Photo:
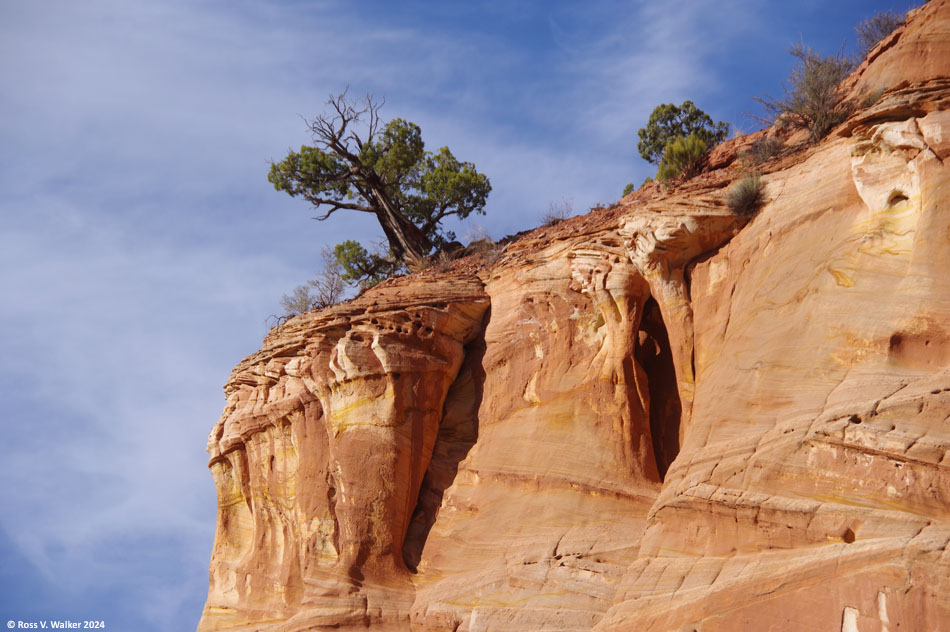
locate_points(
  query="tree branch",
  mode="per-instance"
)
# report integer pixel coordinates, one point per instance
(434, 220)
(336, 206)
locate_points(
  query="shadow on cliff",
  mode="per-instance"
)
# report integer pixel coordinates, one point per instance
(654, 354)
(457, 434)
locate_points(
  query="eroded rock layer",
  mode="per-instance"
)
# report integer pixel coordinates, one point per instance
(659, 416)
(320, 454)
(813, 482)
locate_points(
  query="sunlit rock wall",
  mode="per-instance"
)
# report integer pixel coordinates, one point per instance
(658, 416)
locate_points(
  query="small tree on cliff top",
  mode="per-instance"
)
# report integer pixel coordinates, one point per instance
(669, 122)
(358, 163)
(682, 158)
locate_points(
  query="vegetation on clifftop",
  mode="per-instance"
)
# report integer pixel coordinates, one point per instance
(358, 163)
(682, 158)
(813, 96)
(875, 28)
(668, 122)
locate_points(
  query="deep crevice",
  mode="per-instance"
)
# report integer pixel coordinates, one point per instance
(654, 354)
(458, 432)
(331, 507)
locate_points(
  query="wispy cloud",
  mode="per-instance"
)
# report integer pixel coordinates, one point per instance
(141, 248)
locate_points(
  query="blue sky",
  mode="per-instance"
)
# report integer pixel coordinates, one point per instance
(142, 249)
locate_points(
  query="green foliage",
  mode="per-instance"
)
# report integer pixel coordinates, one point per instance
(813, 97)
(627, 190)
(312, 174)
(396, 151)
(646, 181)
(363, 268)
(875, 28)
(443, 186)
(746, 196)
(358, 163)
(682, 157)
(667, 122)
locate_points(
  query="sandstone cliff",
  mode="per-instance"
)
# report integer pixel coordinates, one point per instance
(654, 417)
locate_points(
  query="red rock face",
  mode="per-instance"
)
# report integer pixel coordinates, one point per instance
(659, 417)
(812, 485)
(320, 454)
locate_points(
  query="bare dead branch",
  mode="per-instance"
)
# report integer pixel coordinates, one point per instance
(336, 130)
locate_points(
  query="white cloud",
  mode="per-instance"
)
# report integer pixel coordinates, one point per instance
(141, 247)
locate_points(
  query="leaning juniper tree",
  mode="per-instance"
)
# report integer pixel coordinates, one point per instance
(359, 163)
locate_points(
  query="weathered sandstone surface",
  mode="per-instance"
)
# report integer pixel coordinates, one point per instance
(658, 416)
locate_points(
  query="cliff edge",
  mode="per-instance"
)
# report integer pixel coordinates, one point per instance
(658, 416)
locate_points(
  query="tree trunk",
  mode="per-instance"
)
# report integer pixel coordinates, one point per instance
(406, 240)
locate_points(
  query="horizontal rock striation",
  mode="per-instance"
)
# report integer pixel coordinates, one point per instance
(815, 471)
(545, 512)
(320, 454)
(658, 416)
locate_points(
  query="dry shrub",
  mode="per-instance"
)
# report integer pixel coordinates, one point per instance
(746, 196)
(875, 28)
(323, 291)
(764, 149)
(813, 98)
(558, 212)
